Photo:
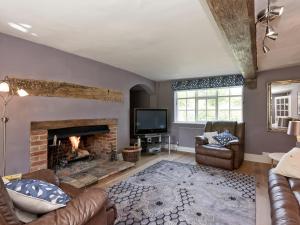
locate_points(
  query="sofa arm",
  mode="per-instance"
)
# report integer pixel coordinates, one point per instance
(201, 140)
(44, 175)
(78, 211)
(233, 142)
(70, 190)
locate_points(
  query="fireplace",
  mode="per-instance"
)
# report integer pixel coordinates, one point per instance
(58, 144)
(71, 144)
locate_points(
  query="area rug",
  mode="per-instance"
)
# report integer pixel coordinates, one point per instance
(177, 193)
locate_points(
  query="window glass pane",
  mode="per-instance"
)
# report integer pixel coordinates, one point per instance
(181, 94)
(181, 116)
(181, 103)
(191, 116)
(201, 115)
(191, 104)
(211, 103)
(236, 91)
(223, 91)
(211, 115)
(202, 104)
(202, 93)
(190, 94)
(236, 115)
(223, 103)
(236, 102)
(216, 104)
(223, 115)
(211, 92)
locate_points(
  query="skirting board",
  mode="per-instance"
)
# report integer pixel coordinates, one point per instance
(263, 158)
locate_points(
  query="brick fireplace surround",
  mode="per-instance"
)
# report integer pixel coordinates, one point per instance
(39, 138)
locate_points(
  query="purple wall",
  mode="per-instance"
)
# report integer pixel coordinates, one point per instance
(258, 139)
(24, 59)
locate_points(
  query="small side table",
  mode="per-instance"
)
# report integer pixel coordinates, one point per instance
(275, 157)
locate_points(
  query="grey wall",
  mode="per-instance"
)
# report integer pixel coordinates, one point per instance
(25, 59)
(258, 139)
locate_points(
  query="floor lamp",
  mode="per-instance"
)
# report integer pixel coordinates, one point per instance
(7, 93)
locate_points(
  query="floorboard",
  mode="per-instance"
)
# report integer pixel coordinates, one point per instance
(259, 170)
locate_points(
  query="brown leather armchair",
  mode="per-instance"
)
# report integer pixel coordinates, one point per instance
(90, 207)
(228, 157)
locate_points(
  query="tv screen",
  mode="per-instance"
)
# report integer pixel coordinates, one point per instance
(149, 121)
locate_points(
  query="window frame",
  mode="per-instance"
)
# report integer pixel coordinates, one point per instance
(216, 97)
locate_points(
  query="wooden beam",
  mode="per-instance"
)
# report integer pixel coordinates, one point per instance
(236, 21)
(63, 89)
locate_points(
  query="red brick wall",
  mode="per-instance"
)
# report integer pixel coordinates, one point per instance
(103, 144)
(38, 149)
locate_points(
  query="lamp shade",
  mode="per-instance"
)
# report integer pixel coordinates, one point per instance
(4, 87)
(294, 128)
(22, 92)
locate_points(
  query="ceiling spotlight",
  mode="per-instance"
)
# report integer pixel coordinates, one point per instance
(270, 33)
(276, 10)
(265, 14)
(266, 49)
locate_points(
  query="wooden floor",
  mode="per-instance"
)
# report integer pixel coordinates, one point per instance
(259, 170)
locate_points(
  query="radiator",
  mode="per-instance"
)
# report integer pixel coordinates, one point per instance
(186, 135)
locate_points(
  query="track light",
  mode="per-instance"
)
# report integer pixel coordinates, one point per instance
(266, 49)
(276, 10)
(265, 16)
(271, 34)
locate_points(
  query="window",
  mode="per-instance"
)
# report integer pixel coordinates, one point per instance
(209, 104)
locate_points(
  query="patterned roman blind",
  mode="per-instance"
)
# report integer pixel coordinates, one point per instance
(209, 82)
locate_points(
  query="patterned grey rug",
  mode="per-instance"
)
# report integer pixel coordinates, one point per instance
(177, 193)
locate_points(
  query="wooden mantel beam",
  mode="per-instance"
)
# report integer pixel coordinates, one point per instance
(236, 21)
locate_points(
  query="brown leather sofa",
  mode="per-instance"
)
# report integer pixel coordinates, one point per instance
(285, 199)
(228, 157)
(90, 207)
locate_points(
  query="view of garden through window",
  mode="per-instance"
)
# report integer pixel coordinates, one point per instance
(209, 104)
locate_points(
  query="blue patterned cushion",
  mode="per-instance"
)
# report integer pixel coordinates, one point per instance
(224, 138)
(36, 196)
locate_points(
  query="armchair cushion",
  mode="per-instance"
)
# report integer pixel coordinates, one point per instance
(210, 137)
(217, 151)
(224, 138)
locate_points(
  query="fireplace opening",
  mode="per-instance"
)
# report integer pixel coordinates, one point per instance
(68, 145)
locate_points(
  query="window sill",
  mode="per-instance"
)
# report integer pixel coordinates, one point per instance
(191, 123)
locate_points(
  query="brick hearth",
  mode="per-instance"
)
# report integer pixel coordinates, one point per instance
(104, 143)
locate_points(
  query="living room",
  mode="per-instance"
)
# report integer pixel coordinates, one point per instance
(126, 108)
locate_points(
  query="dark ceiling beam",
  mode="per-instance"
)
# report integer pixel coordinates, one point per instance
(236, 21)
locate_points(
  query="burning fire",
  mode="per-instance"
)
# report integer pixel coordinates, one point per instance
(74, 142)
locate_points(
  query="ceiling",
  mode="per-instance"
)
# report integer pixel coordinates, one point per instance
(160, 40)
(285, 51)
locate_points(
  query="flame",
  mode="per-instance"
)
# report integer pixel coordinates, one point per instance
(74, 142)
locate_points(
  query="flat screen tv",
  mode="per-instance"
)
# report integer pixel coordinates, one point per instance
(150, 121)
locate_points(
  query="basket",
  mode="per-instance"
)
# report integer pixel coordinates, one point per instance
(131, 154)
